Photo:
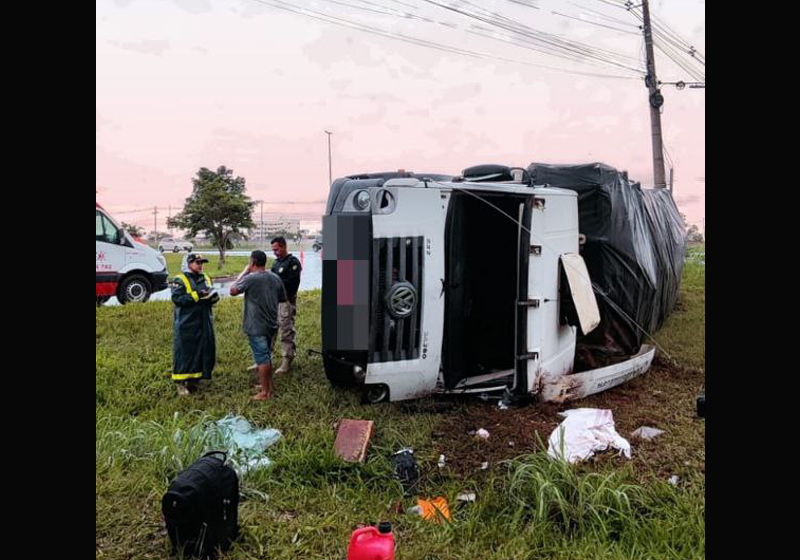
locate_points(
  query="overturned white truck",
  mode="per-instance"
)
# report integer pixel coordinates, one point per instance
(540, 281)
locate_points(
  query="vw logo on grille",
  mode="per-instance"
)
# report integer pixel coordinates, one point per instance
(401, 300)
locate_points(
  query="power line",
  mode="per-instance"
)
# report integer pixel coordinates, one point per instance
(606, 17)
(682, 64)
(528, 4)
(660, 27)
(555, 44)
(331, 19)
(625, 31)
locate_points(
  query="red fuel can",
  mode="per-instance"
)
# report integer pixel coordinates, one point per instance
(372, 543)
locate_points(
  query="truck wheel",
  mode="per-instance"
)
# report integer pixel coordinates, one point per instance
(134, 289)
(176, 249)
(374, 394)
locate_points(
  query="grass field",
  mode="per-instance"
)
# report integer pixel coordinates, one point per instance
(307, 504)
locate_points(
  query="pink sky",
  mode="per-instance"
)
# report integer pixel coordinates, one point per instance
(182, 84)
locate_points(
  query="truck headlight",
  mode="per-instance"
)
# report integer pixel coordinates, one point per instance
(362, 200)
(359, 373)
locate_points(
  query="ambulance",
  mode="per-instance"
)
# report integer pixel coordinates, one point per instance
(124, 268)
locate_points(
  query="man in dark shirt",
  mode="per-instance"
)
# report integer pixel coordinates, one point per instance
(288, 267)
(263, 293)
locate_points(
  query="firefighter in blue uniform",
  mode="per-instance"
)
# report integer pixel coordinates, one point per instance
(193, 342)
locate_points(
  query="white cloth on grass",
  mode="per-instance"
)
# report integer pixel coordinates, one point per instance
(583, 432)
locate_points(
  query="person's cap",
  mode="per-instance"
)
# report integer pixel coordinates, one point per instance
(194, 257)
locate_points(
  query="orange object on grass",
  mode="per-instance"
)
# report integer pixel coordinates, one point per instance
(434, 510)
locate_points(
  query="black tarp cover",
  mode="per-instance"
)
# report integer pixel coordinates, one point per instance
(634, 251)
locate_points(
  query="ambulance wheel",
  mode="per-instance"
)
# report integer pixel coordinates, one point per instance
(374, 394)
(134, 289)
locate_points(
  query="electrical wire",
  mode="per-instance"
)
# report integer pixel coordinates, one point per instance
(331, 19)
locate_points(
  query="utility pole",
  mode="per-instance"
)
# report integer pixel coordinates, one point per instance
(656, 101)
(155, 223)
(330, 166)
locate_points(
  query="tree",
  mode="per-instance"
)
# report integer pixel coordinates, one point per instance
(134, 230)
(694, 235)
(217, 206)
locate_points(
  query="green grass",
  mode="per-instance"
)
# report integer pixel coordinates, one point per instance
(307, 504)
(683, 335)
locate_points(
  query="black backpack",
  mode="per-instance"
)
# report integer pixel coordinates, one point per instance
(201, 508)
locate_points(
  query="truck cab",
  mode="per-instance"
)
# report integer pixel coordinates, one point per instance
(124, 268)
(439, 284)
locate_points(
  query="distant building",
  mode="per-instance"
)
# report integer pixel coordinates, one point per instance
(274, 226)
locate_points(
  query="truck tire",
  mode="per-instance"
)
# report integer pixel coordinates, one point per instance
(176, 249)
(374, 394)
(134, 289)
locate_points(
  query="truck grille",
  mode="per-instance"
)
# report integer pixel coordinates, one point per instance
(396, 315)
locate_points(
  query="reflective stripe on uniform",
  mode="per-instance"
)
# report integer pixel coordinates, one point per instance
(185, 376)
(189, 289)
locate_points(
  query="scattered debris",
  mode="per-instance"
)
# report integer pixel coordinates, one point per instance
(484, 465)
(466, 497)
(433, 510)
(441, 461)
(511, 444)
(352, 439)
(674, 479)
(583, 432)
(502, 405)
(397, 508)
(244, 443)
(646, 432)
(406, 470)
(482, 434)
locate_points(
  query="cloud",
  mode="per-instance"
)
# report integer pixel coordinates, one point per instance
(194, 7)
(458, 94)
(145, 47)
(132, 182)
(688, 199)
(341, 46)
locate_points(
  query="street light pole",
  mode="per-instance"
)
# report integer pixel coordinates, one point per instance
(330, 166)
